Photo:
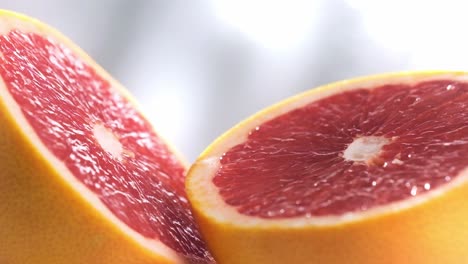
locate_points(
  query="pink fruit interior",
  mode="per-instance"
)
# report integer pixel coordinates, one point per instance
(293, 165)
(63, 98)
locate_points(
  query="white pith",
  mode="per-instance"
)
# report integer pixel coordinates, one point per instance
(364, 149)
(6, 25)
(108, 140)
(207, 201)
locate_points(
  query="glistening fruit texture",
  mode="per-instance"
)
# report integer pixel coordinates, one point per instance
(91, 129)
(350, 152)
(370, 170)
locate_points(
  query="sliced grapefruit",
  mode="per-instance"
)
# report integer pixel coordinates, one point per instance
(84, 178)
(371, 170)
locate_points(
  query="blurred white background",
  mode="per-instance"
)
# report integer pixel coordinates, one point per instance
(200, 67)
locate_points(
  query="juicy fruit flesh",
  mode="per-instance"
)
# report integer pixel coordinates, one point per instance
(65, 101)
(295, 165)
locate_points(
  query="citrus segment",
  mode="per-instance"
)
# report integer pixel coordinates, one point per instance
(99, 136)
(301, 155)
(354, 172)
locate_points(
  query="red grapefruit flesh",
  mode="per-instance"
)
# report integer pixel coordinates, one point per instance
(365, 171)
(301, 154)
(102, 140)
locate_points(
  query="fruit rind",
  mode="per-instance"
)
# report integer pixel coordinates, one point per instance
(398, 233)
(49, 216)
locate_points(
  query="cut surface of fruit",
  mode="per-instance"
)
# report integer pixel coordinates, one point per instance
(325, 176)
(89, 133)
(410, 139)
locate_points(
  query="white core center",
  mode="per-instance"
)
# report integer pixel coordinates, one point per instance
(365, 148)
(108, 141)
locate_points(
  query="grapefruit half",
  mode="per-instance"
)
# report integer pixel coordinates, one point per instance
(371, 170)
(83, 176)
